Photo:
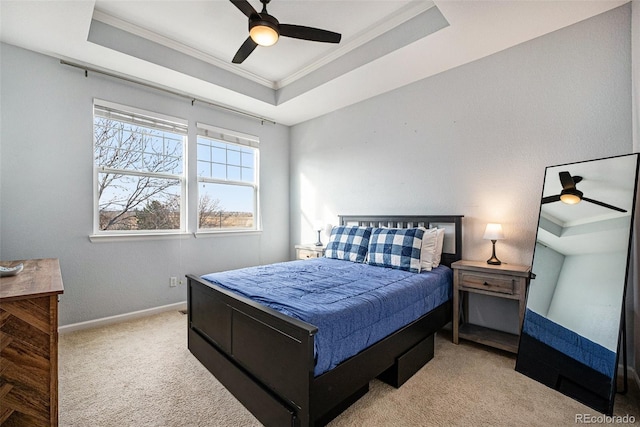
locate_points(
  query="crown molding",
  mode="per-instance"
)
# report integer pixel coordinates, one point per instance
(376, 29)
(147, 34)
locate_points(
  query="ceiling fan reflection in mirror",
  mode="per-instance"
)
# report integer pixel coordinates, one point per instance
(264, 30)
(571, 195)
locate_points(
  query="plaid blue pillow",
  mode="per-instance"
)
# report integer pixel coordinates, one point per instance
(349, 243)
(396, 248)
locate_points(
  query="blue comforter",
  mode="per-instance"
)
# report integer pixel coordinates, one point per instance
(353, 305)
(568, 342)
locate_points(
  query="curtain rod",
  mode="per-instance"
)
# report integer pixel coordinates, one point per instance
(182, 95)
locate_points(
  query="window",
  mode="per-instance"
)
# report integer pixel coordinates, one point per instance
(227, 180)
(139, 170)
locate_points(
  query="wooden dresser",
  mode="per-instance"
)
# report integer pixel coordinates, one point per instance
(29, 344)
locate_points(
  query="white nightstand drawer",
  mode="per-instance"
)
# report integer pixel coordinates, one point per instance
(309, 251)
(305, 253)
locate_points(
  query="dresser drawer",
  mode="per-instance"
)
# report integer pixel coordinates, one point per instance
(494, 282)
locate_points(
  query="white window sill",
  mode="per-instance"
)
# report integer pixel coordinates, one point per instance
(123, 237)
(205, 234)
(120, 237)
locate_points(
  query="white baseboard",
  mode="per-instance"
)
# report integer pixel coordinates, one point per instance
(121, 317)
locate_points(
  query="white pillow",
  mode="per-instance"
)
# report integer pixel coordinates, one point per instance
(429, 249)
(439, 243)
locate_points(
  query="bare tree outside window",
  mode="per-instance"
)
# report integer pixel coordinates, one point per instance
(211, 213)
(139, 176)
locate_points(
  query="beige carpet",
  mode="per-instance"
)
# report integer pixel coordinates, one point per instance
(140, 373)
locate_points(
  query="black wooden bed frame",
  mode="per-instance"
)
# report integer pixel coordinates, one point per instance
(266, 359)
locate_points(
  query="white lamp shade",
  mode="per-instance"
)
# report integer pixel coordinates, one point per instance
(493, 232)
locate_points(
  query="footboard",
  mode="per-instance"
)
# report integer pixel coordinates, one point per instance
(253, 351)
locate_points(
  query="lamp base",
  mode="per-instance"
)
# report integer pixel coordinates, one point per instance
(494, 260)
(319, 242)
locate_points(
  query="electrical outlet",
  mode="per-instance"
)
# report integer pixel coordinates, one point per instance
(173, 282)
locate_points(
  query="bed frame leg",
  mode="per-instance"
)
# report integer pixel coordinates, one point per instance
(409, 363)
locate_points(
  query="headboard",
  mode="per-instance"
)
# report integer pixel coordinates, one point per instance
(452, 224)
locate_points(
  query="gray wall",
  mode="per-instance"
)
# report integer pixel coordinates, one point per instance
(550, 263)
(633, 299)
(474, 141)
(46, 204)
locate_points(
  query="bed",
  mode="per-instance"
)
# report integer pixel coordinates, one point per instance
(269, 360)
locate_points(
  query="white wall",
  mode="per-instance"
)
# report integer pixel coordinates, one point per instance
(46, 204)
(474, 141)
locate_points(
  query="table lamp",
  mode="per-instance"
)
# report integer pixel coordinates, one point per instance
(493, 232)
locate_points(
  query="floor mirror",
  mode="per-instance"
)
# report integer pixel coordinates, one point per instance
(570, 338)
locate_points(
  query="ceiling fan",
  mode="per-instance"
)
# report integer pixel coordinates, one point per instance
(571, 195)
(264, 30)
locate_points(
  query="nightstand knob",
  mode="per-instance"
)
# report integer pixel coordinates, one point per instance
(486, 284)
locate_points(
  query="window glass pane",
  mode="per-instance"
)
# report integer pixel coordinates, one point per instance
(174, 146)
(219, 155)
(231, 162)
(247, 159)
(225, 206)
(218, 144)
(233, 156)
(233, 173)
(218, 171)
(204, 152)
(155, 145)
(136, 148)
(175, 163)
(204, 169)
(247, 175)
(128, 202)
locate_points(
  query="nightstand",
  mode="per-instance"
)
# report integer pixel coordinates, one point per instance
(501, 281)
(309, 251)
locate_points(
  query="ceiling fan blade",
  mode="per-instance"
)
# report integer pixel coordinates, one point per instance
(604, 204)
(551, 199)
(245, 50)
(245, 7)
(567, 181)
(308, 33)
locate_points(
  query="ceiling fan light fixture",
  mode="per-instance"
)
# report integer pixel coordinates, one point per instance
(571, 197)
(264, 32)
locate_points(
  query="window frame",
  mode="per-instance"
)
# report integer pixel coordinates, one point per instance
(150, 120)
(229, 137)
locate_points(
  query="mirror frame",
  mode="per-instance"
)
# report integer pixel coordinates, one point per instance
(556, 369)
